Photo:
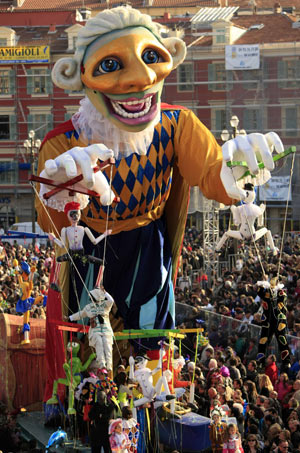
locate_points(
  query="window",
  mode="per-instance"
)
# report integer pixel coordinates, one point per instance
(39, 81)
(7, 81)
(252, 120)
(220, 37)
(185, 77)
(7, 127)
(217, 73)
(41, 123)
(248, 75)
(219, 123)
(289, 71)
(8, 172)
(74, 40)
(4, 127)
(290, 121)
(3, 42)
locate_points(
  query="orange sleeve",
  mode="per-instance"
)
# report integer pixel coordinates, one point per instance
(199, 157)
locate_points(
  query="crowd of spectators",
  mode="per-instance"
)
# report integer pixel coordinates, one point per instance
(234, 292)
(264, 401)
(11, 257)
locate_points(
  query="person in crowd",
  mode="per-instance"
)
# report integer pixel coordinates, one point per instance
(252, 444)
(100, 415)
(265, 385)
(232, 440)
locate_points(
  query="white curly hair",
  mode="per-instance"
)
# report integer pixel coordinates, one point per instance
(66, 72)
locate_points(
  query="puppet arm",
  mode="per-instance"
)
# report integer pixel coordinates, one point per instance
(236, 215)
(60, 243)
(79, 315)
(203, 163)
(92, 238)
(199, 157)
(260, 219)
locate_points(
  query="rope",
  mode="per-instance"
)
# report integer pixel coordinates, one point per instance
(196, 352)
(69, 256)
(72, 261)
(285, 216)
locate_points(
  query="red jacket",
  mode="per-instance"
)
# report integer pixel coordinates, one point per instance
(272, 371)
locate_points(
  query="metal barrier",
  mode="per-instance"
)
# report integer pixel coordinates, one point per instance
(228, 326)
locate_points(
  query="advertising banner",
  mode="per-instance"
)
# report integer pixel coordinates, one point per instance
(26, 54)
(276, 189)
(242, 57)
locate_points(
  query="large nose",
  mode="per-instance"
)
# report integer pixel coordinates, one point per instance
(137, 77)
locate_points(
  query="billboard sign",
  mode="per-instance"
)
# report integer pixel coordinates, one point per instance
(276, 189)
(242, 57)
(26, 54)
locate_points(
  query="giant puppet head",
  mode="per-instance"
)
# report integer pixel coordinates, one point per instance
(121, 61)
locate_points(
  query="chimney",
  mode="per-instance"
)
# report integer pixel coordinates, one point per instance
(85, 13)
(277, 8)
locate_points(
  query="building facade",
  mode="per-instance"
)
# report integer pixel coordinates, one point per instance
(266, 98)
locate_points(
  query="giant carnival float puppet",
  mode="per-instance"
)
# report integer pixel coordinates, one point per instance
(121, 62)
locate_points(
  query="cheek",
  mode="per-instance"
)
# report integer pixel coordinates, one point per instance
(104, 83)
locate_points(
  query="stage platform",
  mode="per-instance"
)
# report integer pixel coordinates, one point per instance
(32, 427)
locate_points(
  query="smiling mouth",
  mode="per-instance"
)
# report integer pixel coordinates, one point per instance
(133, 110)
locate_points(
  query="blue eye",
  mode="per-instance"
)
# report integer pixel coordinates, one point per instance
(151, 56)
(108, 65)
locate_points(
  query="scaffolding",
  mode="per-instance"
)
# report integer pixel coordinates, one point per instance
(210, 216)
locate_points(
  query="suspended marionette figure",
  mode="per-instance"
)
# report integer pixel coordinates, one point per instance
(25, 302)
(144, 376)
(72, 369)
(245, 216)
(273, 320)
(72, 240)
(121, 61)
(100, 332)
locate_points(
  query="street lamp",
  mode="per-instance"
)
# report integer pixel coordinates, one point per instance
(32, 147)
(234, 122)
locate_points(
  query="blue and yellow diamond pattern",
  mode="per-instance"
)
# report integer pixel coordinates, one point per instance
(143, 183)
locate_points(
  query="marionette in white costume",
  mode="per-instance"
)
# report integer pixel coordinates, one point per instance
(72, 240)
(100, 332)
(245, 216)
(144, 376)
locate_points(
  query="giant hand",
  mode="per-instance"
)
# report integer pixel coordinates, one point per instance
(72, 163)
(252, 148)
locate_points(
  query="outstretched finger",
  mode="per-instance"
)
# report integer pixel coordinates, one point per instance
(245, 146)
(99, 151)
(274, 140)
(230, 184)
(67, 162)
(83, 160)
(260, 144)
(228, 150)
(51, 167)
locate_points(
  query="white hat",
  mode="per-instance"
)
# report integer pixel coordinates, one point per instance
(97, 294)
(191, 365)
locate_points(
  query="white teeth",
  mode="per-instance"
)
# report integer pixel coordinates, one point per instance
(117, 106)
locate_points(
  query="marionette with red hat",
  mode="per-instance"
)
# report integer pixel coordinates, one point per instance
(71, 240)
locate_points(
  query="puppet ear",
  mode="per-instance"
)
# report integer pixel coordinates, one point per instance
(66, 74)
(177, 49)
